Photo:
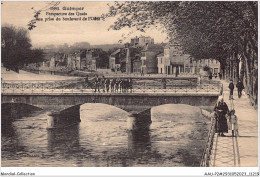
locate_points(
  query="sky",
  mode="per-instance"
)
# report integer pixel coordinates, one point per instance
(60, 32)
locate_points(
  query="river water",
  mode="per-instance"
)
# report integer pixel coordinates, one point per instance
(177, 137)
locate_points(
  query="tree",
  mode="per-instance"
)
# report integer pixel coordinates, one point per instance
(49, 6)
(16, 48)
(226, 31)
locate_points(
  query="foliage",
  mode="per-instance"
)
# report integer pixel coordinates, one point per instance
(205, 29)
(16, 48)
(206, 68)
(223, 30)
(49, 5)
(102, 61)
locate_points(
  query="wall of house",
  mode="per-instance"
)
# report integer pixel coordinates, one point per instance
(52, 63)
(137, 66)
(196, 66)
(112, 62)
(78, 62)
(151, 62)
(163, 62)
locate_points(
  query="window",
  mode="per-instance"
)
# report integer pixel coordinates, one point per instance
(161, 60)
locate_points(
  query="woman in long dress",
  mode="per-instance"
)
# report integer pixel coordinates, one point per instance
(221, 110)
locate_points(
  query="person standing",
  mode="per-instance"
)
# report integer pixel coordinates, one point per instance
(97, 83)
(130, 85)
(107, 84)
(164, 83)
(233, 123)
(117, 85)
(103, 83)
(231, 89)
(221, 110)
(142, 72)
(240, 87)
(113, 82)
(220, 75)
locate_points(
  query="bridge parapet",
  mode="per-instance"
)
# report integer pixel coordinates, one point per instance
(136, 86)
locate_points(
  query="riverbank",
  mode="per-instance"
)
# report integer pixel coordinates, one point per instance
(24, 75)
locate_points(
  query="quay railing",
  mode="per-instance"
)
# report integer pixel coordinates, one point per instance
(124, 86)
(205, 160)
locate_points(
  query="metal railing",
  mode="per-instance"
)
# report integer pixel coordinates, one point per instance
(205, 160)
(124, 86)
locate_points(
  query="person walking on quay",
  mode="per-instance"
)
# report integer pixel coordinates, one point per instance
(240, 87)
(233, 123)
(221, 110)
(97, 83)
(107, 84)
(231, 89)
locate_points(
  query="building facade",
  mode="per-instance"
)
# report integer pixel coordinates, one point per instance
(195, 66)
(138, 56)
(114, 60)
(149, 62)
(172, 60)
(141, 41)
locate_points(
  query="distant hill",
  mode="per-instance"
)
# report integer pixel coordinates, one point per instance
(80, 45)
(107, 47)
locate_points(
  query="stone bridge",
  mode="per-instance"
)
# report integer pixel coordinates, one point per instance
(65, 107)
(63, 98)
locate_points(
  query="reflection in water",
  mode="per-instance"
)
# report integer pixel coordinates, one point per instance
(63, 141)
(140, 148)
(102, 139)
(139, 142)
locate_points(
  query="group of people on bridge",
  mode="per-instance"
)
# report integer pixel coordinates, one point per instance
(115, 85)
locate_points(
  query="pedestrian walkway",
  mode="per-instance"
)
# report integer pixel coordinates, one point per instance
(241, 150)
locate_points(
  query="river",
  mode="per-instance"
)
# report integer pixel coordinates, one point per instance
(176, 138)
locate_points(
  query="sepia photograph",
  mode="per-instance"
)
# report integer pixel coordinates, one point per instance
(129, 84)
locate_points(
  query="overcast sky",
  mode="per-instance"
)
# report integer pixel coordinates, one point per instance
(94, 32)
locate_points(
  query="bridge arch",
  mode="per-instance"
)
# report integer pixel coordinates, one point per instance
(138, 105)
(11, 111)
(135, 121)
